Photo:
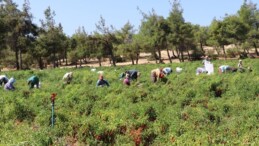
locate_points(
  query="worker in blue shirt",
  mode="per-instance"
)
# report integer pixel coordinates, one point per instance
(101, 82)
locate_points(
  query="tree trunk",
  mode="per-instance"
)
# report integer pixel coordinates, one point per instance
(247, 50)
(54, 59)
(224, 51)
(181, 52)
(201, 45)
(20, 59)
(137, 58)
(174, 54)
(17, 58)
(57, 62)
(168, 54)
(159, 55)
(80, 63)
(256, 51)
(189, 56)
(76, 64)
(110, 60)
(112, 57)
(66, 56)
(132, 60)
(155, 56)
(244, 51)
(45, 63)
(40, 62)
(85, 60)
(178, 54)
(99, 61)
(182, 56)
(60, 61)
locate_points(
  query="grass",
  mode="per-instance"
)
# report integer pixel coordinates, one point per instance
(187, 109)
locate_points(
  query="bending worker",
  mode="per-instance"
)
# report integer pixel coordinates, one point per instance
(32, 81)
(9, 84)
(167, 70)
(133, 74)
(226, 68)
(200, 70)
(126, 81)
(3, 79)
(67, 78)
(157, 74)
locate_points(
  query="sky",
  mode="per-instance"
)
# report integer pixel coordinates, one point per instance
(87, 13)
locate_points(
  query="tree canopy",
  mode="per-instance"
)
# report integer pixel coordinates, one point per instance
(25, 44)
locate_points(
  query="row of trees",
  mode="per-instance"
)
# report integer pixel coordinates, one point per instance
(48, 44)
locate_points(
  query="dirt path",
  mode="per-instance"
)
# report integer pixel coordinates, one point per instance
(143, 60)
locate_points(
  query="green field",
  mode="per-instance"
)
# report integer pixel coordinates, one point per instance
(186, 110)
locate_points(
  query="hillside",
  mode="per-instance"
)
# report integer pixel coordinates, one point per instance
(187, 109)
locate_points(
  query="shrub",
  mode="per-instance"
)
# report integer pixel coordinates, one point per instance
(197, 54)
(232, 53)
(185, 110)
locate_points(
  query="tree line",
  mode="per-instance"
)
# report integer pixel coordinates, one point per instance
(24, 44)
